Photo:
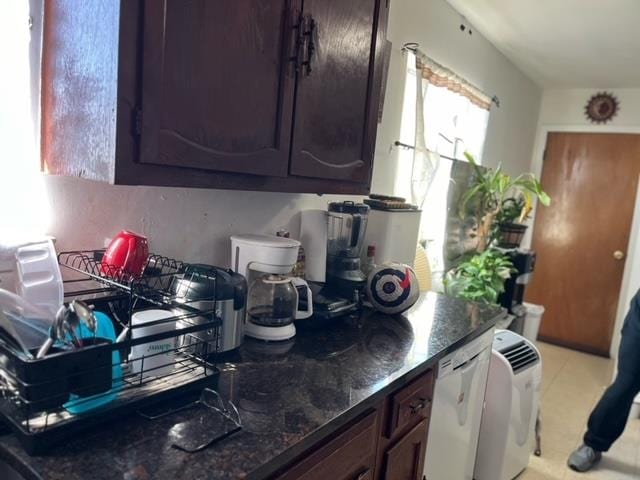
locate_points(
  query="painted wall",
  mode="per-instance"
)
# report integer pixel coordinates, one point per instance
(566, 107)
(434, 24)
(190, 224)
(563, 110)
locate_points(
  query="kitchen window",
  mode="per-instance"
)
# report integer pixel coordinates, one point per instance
(453, 125)
(23, 203)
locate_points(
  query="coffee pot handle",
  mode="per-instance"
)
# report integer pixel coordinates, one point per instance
(300, 314)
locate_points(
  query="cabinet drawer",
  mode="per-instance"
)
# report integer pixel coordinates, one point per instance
(411, 404)
(349, 456)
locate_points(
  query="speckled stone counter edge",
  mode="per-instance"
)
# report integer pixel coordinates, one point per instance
(287, 457)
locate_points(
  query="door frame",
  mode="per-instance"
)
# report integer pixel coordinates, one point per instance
(629, 284)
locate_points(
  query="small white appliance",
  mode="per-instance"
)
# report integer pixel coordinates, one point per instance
(507, 432)
(153, 358)
(255, 255)
(394, 234)
(458, 399)
(313, 235)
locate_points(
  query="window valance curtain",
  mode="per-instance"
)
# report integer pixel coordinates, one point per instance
(441, 76)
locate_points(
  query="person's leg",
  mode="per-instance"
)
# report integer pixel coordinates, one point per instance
(608, 419)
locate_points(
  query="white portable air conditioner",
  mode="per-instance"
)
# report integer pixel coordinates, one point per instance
(507, 430)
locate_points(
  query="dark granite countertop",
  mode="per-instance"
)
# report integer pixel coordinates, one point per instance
(289, 395)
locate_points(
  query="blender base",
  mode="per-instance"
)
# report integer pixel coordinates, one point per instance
(328, 304)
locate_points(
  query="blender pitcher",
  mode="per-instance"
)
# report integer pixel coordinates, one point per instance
(347, 224)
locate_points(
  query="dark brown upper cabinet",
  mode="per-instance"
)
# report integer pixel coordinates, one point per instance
(278, 95)
(335, 112)
(216, 93)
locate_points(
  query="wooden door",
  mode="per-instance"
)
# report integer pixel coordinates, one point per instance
(337, 100)
(405, 460)
(592, 180)
(217, 93)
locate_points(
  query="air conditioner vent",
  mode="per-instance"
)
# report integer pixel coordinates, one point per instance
(520, 356)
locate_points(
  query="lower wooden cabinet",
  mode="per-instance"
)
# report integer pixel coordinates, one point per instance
(388, 442)
(351, 455)
(405, 460)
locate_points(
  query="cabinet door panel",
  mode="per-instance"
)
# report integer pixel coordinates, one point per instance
(405, 460)
(334, 103)
(217, 92)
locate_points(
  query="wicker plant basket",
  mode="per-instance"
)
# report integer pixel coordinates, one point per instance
(511, 235)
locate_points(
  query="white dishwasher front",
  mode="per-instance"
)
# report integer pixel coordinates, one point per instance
(458, 400)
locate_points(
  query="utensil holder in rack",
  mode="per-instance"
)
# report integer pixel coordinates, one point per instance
(46, 400)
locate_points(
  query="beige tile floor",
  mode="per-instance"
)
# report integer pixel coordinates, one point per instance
(572, 382)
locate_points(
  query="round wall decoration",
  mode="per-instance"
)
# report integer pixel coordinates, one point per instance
(601, 108)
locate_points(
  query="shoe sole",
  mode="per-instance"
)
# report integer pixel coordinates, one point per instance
(576, 469)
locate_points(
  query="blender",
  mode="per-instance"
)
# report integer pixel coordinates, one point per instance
(275, 298)
(346, 226)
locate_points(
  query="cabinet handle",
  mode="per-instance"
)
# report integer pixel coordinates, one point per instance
(363, 474)
(309, 33)
(298, 29)
(419, 405)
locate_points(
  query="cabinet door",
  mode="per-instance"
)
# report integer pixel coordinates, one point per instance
(405, 460)
(217, 92)
(336, 102)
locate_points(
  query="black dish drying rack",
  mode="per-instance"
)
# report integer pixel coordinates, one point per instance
(49, 399)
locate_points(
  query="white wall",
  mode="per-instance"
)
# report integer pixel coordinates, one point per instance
(435, 26)
(566, 107)
(193, 225)
(563, 110)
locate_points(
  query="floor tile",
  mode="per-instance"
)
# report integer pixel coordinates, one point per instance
(552, 463)
(572, 384)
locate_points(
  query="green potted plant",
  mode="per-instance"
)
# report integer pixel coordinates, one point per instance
(480, 278)
(490, 190)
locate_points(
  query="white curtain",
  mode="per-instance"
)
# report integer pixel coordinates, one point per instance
(425, 161)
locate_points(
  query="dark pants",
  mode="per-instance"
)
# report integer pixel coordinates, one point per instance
(608, 419)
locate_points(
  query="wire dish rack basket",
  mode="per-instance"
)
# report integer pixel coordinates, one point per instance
(122, 366)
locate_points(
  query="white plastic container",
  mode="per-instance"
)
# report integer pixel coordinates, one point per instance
(532, 321)
(313, 236)
(394, 234)
(154, 358)
(38, 275)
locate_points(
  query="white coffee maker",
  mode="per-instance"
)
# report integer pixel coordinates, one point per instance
(268, 260)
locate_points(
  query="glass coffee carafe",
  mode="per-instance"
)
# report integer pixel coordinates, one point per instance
(274, 301)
